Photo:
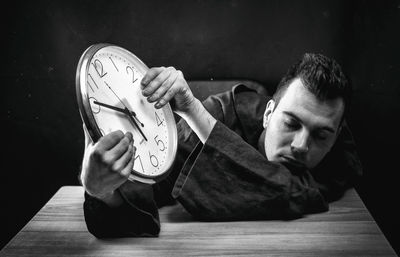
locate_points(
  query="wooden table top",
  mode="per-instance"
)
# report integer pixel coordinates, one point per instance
(59, 229)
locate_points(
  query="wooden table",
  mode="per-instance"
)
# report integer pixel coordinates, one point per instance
(59, 229)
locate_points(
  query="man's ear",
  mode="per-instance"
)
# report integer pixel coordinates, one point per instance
(268, 111)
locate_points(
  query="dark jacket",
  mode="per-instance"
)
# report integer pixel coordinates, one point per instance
(228, 178)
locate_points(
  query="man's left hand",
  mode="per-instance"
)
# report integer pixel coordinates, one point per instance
(162, 85)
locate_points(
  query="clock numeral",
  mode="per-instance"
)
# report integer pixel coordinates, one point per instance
(160, 142)
(133, 73)
(158, 120)
(153, 160)
(90, 86)
(95, 107)
(140, 160)
(115, 66)
(90, 76)
(98, 66)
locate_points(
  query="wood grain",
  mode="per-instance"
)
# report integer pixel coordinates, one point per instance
(347, 229)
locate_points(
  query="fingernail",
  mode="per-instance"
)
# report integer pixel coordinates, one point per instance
(157, 105)
(129, 136)
(151, 98)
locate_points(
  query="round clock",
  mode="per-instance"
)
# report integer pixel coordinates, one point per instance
(110, 98)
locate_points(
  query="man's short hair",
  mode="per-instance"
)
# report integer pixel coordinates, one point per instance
(321, 75)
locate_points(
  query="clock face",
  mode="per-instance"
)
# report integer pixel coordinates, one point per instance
(110, 79)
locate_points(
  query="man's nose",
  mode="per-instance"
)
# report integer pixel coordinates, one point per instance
(300, 143)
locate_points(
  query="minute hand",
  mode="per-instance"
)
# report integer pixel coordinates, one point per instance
(124, 111)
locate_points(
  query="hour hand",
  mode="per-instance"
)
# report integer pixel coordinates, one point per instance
(127, 112)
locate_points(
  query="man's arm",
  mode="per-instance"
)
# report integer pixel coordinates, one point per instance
(200, 120)
(115, 207)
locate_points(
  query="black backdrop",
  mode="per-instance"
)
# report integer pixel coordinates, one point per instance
(42, 141)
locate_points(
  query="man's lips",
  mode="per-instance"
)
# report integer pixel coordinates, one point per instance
(291, 160)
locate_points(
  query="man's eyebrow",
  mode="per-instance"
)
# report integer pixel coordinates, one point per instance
(294, 116)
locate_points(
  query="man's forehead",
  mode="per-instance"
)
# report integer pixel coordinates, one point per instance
(299, 100)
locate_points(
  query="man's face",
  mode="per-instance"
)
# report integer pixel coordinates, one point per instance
(301, 129)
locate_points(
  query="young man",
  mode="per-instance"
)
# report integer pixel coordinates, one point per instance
(241, 156)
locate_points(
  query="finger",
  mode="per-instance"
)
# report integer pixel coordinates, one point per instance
(157, 81)
(110, 140)
(123, 161)
(165, 86)
(114, 177)
(126, 171)
(129, 135)
(119, 149)
(167, 97)
(150, 75)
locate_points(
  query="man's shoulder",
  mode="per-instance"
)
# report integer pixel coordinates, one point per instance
(240, 99)
(249, 92)
(242, 93)
(248, 102)
(241, 109)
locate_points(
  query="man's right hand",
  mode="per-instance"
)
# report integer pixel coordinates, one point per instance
(107, 165)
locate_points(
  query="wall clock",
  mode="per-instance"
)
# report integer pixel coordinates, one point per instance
(110, 98)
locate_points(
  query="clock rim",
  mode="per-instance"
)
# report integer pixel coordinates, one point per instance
(91, 124)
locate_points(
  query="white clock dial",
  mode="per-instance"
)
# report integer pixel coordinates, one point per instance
(115, 102)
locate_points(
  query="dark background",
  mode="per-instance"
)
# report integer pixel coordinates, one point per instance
(42, 141)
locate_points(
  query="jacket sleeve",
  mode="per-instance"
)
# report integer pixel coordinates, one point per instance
(228, 179)
(138, 216)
